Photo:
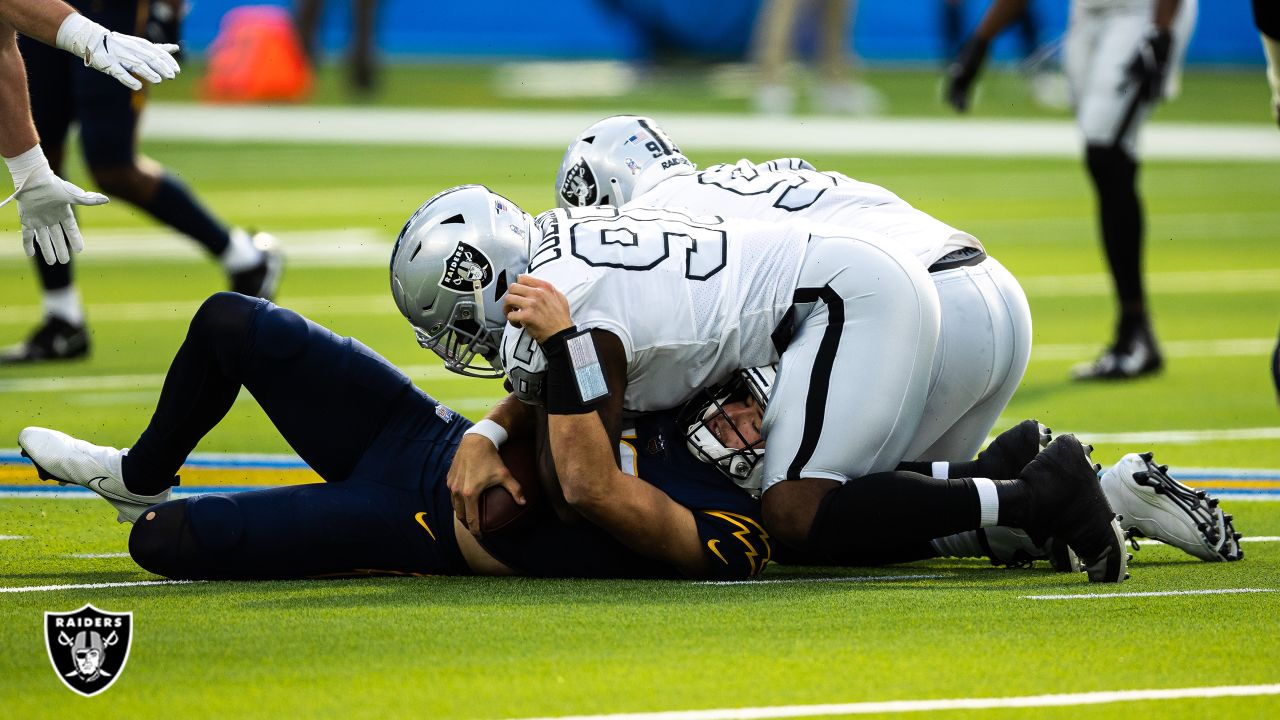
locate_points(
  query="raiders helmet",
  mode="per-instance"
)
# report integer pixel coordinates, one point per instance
(450, 267)
(738, 464)
(602, 164)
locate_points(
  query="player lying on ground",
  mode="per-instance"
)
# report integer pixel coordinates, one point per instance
(676, 303)
(1148, 501)
(384, 448)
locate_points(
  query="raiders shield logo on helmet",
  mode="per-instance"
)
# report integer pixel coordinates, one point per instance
(464, 266)
(579, 188)
(88, 647)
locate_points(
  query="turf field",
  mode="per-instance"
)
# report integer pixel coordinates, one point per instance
(466, 647)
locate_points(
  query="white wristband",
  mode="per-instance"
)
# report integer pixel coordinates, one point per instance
(490, 429)
(77, 35)
(23, 165)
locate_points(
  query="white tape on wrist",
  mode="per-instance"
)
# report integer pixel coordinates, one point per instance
(491, 430)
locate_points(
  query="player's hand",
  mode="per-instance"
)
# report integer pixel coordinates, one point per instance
(476, 467)
(124, 57)
(44, 207)
(1149, 66)
(537, 306)
(963, 71)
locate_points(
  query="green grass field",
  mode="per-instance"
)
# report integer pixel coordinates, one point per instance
(502, 648)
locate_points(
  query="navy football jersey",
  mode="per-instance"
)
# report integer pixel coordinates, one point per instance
(728, 519)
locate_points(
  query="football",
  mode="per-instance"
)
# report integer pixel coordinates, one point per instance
(499, 512)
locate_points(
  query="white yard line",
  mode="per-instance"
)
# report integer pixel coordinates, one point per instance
(540, 129)
(92, 586)
(1259, 538)
(1231, 347)
(100, 383)
(1182, 437)
(846, 578)
(13, 537)
(1156, 593)
(363, 247)
(97, 556)
(905, 706)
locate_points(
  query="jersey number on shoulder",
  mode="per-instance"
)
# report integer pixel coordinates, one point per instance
(801, 189)
(635, 243)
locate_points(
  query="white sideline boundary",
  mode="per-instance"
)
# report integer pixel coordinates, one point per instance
(906, 706)
(93, 586)
(544, 129)
(1153, 593)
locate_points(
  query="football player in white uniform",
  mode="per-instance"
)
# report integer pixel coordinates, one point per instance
(667, 303)
(985, 335)
(1121, 58)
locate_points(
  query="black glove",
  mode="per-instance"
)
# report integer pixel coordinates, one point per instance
(164, 25)
(1149, 66)
(963, 71)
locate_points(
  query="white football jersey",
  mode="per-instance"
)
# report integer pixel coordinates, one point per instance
(790, 190)
(692, 299)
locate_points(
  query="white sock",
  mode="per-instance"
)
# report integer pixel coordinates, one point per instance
(64, 304)
(240, 254)
(940, 470)
(988, 502)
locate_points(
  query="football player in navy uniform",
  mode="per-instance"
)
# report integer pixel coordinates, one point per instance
(666, 303)
(384, 448)
(64, 91)
(1121, 58)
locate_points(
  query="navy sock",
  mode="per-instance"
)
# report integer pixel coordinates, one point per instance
(175, 206)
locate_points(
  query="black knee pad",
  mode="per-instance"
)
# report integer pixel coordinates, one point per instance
(187, 539)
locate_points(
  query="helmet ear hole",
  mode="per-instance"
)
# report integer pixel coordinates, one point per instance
(500, 286)
(455, 220)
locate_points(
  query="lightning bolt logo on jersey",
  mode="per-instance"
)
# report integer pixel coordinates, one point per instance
(692, 299)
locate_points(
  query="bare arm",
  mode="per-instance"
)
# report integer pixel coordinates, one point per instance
(39, 19)
(17, 133)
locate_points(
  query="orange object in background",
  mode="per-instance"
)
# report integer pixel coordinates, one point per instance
(257, 56)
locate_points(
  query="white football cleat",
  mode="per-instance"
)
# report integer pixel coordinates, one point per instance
(58, 456)
(1154, 505)
(1012, 547)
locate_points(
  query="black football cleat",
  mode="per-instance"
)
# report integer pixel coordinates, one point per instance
(1068, 503)
(261, 280)
(1012, 449)
(1131, 356)
(54, 339)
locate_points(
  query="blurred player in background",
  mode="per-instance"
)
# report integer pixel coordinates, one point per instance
(364, 15)
(44, 199)
(63, 91)
(1122, 58)
(775, 37)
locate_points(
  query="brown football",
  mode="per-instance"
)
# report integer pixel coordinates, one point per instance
(499, 512)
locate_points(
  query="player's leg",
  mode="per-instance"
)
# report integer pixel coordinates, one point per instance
(329, 396)
(1110, 112)
(852, 380)
(295, 532)
(984, 347)
(62, 333)
(108, 113)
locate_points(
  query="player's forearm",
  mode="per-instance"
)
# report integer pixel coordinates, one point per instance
(584, 460)
(39, 19)
(997, 17)
(17, 133)
(516, 417)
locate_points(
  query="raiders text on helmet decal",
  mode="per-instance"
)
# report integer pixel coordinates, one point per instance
(88, 647)
(464, 265)
(579, 188)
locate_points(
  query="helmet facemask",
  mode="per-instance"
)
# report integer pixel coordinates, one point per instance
(465, 341)
(714, 437)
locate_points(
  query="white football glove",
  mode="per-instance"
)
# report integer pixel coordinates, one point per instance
(44, 207)
(120, 56)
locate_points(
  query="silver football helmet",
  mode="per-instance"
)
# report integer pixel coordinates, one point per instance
(602, 164)
(738, 464)
(450, 267)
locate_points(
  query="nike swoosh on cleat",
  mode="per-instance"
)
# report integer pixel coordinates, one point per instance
(95, 484)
